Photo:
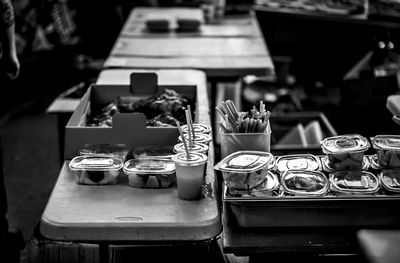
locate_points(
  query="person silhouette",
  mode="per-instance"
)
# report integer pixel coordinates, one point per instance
(9, 68)
(9, 63)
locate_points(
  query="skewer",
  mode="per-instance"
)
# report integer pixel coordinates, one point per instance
(189, 128)
(191, 123)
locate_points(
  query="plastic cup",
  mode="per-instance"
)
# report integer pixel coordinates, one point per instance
(199, 138)
(196, 147)
(189, 174)
(234, 142)
(198, 128)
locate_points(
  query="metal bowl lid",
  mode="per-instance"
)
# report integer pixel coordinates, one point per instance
(366, 163)
(149, 166)
(390, 179)
(386, 142)
(303, 182)
(95, 163)
(344, 144)
(244, 162)
(298, 162)
(354, 182)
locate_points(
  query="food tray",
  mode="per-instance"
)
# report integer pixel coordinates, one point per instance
(127, 128)
(281, 210)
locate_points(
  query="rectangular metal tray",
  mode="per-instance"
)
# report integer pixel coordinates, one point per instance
(280, 210)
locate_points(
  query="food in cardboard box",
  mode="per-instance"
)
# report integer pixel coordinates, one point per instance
(163, 109)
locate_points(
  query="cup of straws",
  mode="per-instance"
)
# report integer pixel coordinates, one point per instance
(241, 131)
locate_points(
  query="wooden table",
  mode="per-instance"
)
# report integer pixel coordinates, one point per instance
(231, 48)
(238, 26)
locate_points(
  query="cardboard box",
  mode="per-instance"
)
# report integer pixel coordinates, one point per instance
(127, 128)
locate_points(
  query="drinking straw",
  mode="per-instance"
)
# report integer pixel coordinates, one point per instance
(220, 112)
(229, 124)
(189, 128)
(191, 123)
(224, 129)
(232, 108)
(183, 140)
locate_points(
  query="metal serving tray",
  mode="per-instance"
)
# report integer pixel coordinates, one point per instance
(282, 210)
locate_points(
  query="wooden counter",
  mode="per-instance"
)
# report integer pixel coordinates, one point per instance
(233, 47)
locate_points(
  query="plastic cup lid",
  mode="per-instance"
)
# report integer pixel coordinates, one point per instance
(155, 151)
(270, 184)
(198, 128)
(344, 144)
(96, 163)
(196, 147)
(149, 166)
(244, 162)
(328, 167)
(354, 182)
(298, 162)
(303, 182)
(386, 142)
(102, 148)
(199, 137)
(390, 179)
(196, 158)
